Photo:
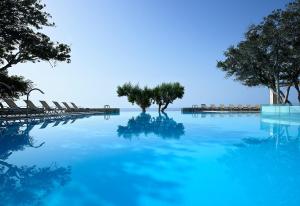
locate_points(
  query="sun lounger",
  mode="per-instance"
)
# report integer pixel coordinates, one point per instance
(240, 108)
(32, 107)
(248, 107)
(4, 112)
(11, 103)
(255, 108)
(78, 108)
(203, 107)
(14, 109)
(235, 108)
(231, 107)
(74, 105)
(59, 107)
(47, 108)
(213, 107)
(68, 107)
(222, 107)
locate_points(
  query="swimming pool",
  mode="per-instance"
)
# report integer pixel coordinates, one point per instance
(146, 159)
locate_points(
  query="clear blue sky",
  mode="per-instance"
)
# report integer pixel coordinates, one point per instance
(146, 42)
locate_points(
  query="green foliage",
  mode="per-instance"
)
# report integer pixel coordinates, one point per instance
(135, 94)
(162, 95)
(166, 93)
(20, 39)
(13, 86)
(269, 53)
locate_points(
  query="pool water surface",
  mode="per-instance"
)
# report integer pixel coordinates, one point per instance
(147, 159)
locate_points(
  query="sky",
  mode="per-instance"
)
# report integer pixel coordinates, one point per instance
(146, 42)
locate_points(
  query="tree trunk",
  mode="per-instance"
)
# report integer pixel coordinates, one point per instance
(165, 107)
(278, 95)
(278, 89)
(298, 90)
(286, 98)
(143, 109)
(283, 97)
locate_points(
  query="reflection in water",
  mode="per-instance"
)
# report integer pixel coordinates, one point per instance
(282, 129)
(25, 185)
(162, 126)
(14, 138)
(122, 180)
(274, 161)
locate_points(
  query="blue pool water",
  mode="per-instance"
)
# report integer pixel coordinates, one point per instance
(145, 159)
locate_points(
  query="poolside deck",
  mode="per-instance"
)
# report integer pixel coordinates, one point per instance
(189, 110)
(37, 117)
(105, 110)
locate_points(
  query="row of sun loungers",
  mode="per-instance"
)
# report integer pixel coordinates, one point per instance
(222, 107)
(230, 107)
(32, 110)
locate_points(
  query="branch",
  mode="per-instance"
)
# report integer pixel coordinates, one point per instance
(14, 60)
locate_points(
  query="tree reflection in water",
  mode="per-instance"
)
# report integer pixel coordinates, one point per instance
(162, 126)
(268, 168)
(25, 185)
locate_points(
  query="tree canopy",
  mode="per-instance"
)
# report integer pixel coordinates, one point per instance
(269, 54)
(21, 39)
(135, 94)
(166, 93)
(162, 95)
(13, 86)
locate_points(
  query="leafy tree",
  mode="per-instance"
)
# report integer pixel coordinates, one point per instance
(162, 95)
(269, 54)
(252, 61)
(166, 93)
(290, 23)
(13, 86)
(135, 94)
(21, 39)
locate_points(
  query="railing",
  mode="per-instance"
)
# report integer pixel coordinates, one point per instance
(27, 97)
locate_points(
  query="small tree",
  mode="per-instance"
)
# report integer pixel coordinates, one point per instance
(166, 93)
(136, 95)
(162, 95)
